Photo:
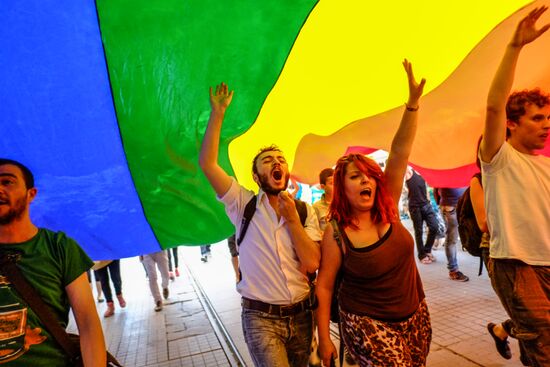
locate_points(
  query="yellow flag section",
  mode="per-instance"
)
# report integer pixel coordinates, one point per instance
(345, 67)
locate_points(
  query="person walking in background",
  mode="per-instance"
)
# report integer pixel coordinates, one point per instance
(111, 272)
(516, 185)
(447, 198)
(151, 262)
(420, 210)
(205, 253)
(173, 269)
(99, 292)
(321, 206)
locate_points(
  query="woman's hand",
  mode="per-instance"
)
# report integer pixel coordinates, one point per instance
(327, 351)
(415, 89)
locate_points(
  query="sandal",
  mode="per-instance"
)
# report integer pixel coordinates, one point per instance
(426, 260)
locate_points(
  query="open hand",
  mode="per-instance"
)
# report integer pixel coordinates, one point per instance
(526, 30)
(220, 100)
(415, 89)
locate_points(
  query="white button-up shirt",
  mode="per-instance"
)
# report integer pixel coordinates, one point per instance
(269, 265)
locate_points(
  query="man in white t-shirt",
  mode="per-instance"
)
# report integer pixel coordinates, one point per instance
(276, 255)
(516, 181)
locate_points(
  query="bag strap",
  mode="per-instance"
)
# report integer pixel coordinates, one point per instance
(33, 299)
(337, 235)
(338, 238)
(249, 211)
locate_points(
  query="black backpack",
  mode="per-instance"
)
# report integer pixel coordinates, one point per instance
(468, 230)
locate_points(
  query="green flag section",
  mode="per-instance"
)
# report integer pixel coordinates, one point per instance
(162, 56)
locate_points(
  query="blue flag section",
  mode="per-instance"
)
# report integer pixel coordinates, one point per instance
(57, 117)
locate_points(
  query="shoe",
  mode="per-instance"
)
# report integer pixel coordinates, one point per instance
(171, 275)
(110, 310)
(458, 276)
(121, 300)
(503, 346)
(100, 300)
(158, 306)
(204, 258)
(165, 293)
(426, 260)
(177, 272)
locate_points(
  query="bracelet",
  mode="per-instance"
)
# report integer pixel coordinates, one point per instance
(412, 109)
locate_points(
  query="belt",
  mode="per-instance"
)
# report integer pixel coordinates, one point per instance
(277, 310)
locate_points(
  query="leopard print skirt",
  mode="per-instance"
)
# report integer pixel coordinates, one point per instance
(376, 343)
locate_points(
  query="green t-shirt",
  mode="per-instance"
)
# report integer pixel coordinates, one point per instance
(49, 262)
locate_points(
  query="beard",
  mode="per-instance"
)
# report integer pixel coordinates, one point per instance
(266, 186)
(14, 213)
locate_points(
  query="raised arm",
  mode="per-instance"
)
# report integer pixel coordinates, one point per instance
(208, 158)
(494, 134)
(403, 140)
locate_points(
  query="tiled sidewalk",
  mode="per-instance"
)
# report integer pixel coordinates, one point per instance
(180, 335)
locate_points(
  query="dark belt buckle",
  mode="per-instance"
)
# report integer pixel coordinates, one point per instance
(285, 311)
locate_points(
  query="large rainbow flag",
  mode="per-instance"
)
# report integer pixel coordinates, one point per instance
(107, 100)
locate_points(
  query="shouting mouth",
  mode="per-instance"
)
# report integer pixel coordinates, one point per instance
(366, 193)
(277, 174)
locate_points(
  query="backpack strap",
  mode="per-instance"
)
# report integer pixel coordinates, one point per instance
(301, 208)
(249, 211)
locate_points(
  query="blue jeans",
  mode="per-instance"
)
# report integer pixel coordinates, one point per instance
(205, 250)
(451, 235)
(524, 291)
(275, 341)
(114, 270)
(418, 216)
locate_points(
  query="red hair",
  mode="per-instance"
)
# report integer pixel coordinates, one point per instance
(383, 209)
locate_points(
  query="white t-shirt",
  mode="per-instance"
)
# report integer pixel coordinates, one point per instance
(269, 265)
(517, 200)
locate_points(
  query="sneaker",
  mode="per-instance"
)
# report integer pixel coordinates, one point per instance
(204, 258)
(458, 276)
(177, 272)
(165, 293)
(121, 300)
(171, 274)
(502, 345)
(110, 310)
(158, 306)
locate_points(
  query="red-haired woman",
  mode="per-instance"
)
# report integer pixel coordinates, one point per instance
(383, 313)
